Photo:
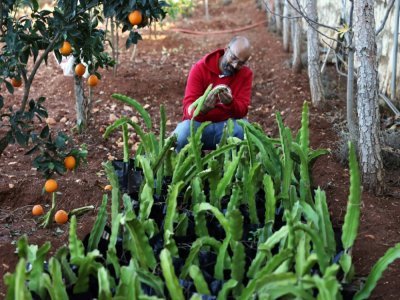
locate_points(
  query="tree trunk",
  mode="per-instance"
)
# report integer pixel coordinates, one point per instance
(82, 113)
(286, 26)
(395, 50)
(297, 66)
(278, 18)
(270, 15)
(367, 97)
(207, 15)
(113, 42)
(350, 111)
(316, 88)
(116, 47)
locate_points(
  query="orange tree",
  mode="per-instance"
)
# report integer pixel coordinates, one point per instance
(28, 40)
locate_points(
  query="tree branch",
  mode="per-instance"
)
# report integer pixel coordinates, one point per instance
(34, 70)
(312, 23)
(1, 17)
(388, 9)
(308, 20)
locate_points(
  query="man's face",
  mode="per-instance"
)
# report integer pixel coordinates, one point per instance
(231, 62)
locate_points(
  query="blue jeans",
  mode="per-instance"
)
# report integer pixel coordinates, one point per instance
(211, 136)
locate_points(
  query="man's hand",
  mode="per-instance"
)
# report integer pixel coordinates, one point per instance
(208, 104)
(225, 97)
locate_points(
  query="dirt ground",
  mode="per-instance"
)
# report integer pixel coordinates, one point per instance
(157, 75)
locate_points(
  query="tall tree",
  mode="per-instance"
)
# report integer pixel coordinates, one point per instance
(286, 26)
(278, 17)
(350, 110)
(297, 66)
(367, 96)
(316, 88)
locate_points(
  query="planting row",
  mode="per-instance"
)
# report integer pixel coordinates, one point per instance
(242, 221)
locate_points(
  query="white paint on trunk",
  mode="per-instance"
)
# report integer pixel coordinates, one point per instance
(317, 94)
(367, 96)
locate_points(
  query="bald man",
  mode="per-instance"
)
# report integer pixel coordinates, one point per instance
(223, 66)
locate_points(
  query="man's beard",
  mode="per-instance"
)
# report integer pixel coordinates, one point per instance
(227, 69)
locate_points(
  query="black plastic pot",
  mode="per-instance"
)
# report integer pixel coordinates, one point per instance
(188, 288)
(157, 243)
(91, 293)
(124, 256)
(148, 290)
(207, 261)
(178, 264)
(129, 178)
(350, 289)
(216, 286)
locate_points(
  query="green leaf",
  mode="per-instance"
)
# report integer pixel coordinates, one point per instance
(132, 102)
(270, 202)
(352, 217)
(268, 281)
(228, 175)
(58, 285)
(99, 224)
(376, 272)
(222, 258)
(21, 138)
(128, 287)
(171, 204)
(152, 280)
(325, 224)
(20, 289)
(226, 288)
(111, 250)
(44, 133)
(114, 126)
(318, 245)
(36, 258)
(194, 250)
(115, 192)
(235, 219)
(68, 273)
(197, 105)
(75, 245)
(104, 284)
(140, 243)
(87, 266)
(198, 280)
(175, 290)
(238, 262)
(9, 87)
(60, 141)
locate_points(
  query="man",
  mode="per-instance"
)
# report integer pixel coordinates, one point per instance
(223, 66)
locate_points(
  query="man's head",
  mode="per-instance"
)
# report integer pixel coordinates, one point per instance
(236, 55)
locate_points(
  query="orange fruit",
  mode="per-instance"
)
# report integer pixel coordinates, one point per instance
(66, 49)
(93, 80)
(16, 82)
(61, 217)
(50, 186)
(80, 69)
(37, 210)
(135, 17)
(70, 162)
(108, 187)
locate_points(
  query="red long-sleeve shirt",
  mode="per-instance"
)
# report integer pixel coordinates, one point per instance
(206, 71)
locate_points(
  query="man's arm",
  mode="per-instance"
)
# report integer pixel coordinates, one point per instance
(194, 89)
(241, 98)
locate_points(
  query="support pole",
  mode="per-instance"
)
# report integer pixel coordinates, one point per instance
(394, 50)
